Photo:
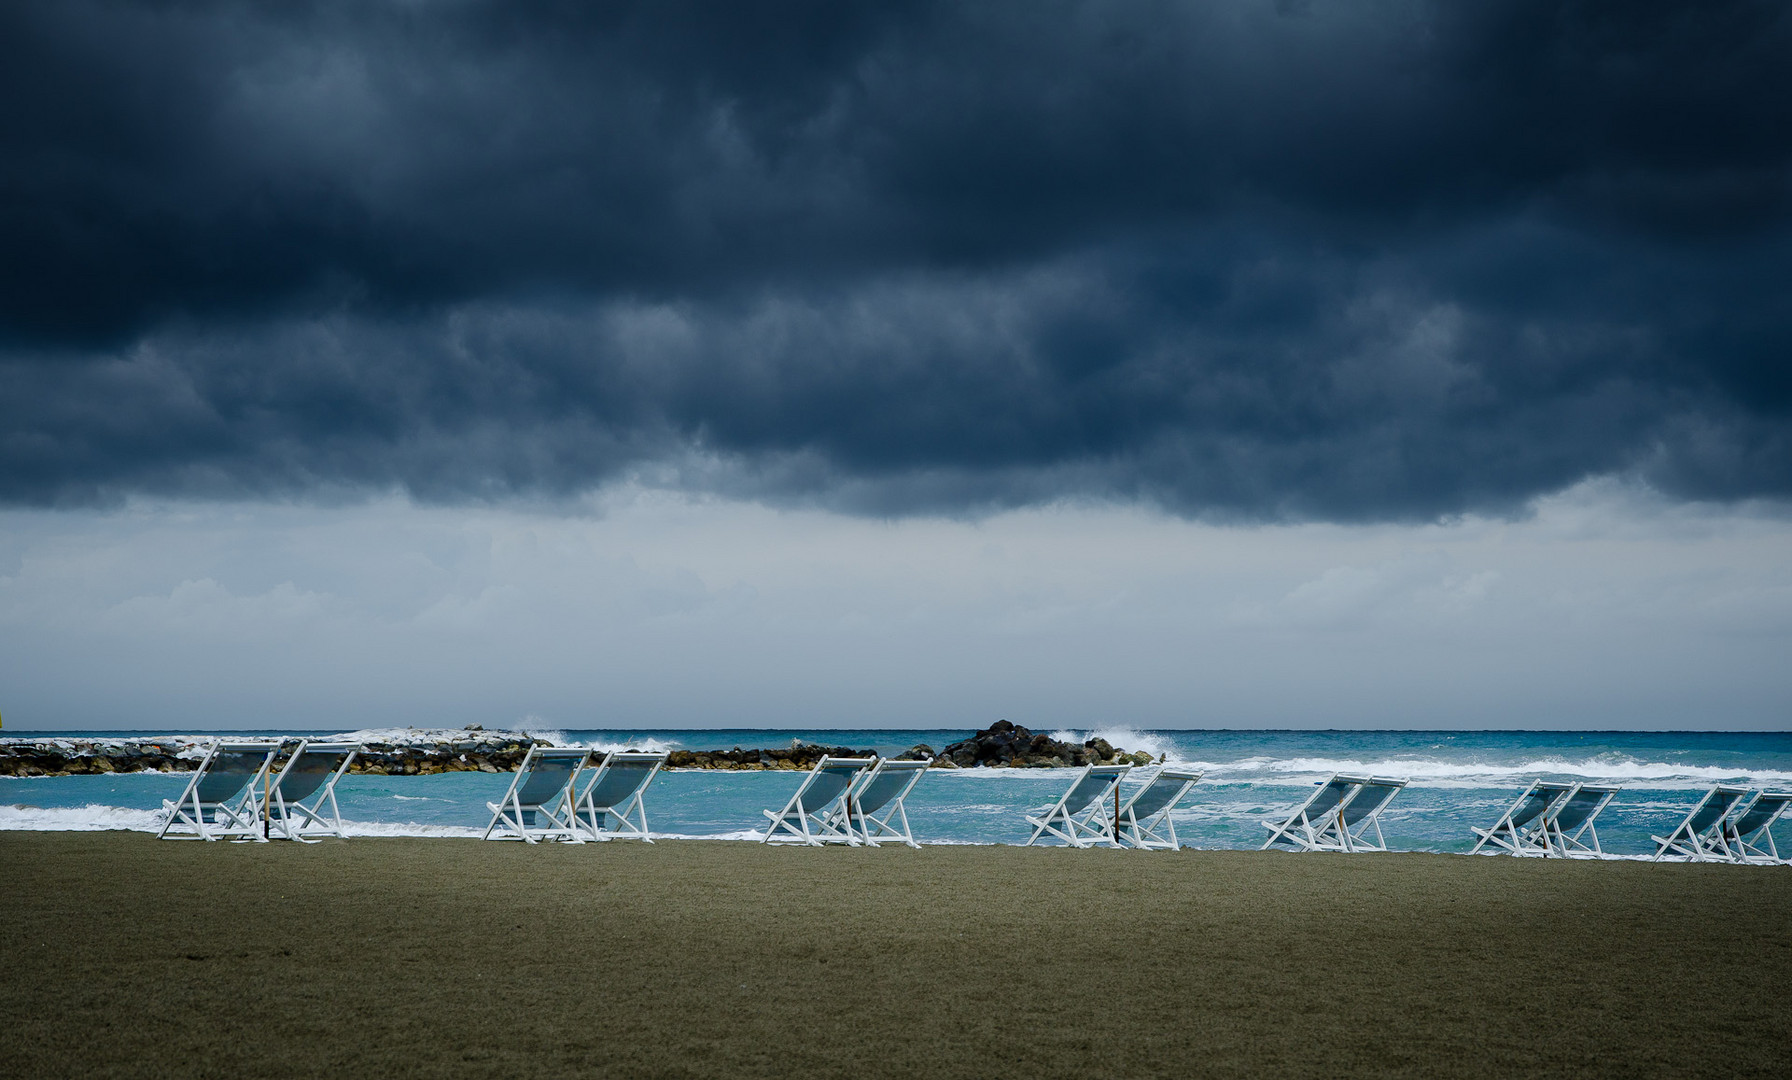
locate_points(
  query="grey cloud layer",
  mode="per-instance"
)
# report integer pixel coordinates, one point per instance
(1392, 260)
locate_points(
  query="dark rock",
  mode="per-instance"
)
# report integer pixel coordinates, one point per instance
(1008, 745)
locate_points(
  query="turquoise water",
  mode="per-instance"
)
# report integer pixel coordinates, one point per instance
(1457, 779)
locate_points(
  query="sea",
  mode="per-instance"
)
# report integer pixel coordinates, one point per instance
(1457, 779)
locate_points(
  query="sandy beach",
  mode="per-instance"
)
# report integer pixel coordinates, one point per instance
(125, 956)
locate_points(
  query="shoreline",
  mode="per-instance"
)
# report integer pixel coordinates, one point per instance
(410, 957)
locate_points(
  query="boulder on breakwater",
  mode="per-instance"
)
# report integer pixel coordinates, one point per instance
(1007, 745)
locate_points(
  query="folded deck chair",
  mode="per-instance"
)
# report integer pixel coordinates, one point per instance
(1749, 835)
(1700, 838)
(874, 805)
(1361, 813)
(1314, 824)
(1568, 826)
(1520, 829)
(809, 817)
(311, 773)
(613, 803)
(224, 796)
(1079, 817)
(539, 804)
(1145, 817)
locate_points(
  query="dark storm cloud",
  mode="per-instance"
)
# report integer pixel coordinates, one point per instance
(1385, 260)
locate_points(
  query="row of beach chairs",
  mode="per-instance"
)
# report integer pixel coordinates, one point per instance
(576, 795)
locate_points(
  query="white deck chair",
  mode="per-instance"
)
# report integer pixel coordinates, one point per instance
(1752, 827)
(1145, 817)
(1571, 820)
(617, 793)
(311, 773)
(1361, 813)
(1313, 826)
(539, 804)
(809, 817)
(1700, 838)
(224, 796)
(1078, 818)
(1520, 829)
(874, 806)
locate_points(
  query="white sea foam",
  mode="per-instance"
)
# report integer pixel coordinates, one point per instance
(1433, 772)
(650, 745)
(1123, 738)
(408, 828)
(90, 818)
(406, 736)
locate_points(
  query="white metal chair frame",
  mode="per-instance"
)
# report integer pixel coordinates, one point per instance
(809, 817)
(876, 802)
(1314, 824)
(1572, 818)
(630, 809)
(1520, 829)
(1753, 824)
(1701, 836)
(1077, 817)
(216, 807)
(292, 817)
(524, 799)
(1156, 799)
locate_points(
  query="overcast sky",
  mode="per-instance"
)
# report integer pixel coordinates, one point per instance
(1088, 364)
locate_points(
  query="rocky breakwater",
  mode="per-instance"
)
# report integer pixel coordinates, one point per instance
(403, 752)
(798, 755)
(1006, 745)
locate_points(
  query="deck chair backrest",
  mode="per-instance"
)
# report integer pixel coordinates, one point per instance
(309, 767)
(231, 768)
(886, 781)
(1160, 793)
(1330, 794)
(1095, 783)
(828, 781)
(1761, 813)
(1369, 798)
(549, 773)
(620, 776)
(1579, 807)
(1713, 808)
(1539, 800)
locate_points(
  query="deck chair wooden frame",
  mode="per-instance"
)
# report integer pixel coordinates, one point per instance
(1700, 836)
(1519, 831)
(222, 799)
(1078, 817)
(874, 809)
(1751, 827)
(1145, 821)
(809, 816)
(1568, 827)
(617, 790)
(1313, 826)
(310, 773)
(541, 789)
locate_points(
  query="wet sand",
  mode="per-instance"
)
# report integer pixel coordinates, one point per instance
(124, 956)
